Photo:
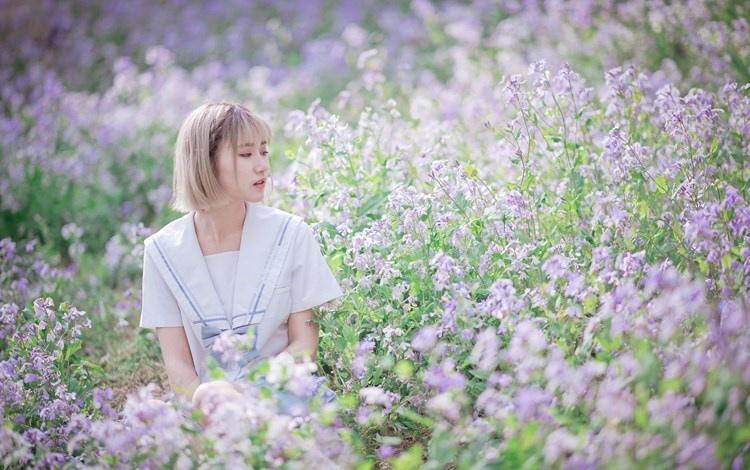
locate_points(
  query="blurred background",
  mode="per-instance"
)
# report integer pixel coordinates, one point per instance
(92, 94)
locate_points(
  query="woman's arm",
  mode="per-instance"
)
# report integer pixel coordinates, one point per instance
(303, 335)
(178, 360)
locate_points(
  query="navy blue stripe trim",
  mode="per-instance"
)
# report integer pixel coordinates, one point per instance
(177, 280)
(288, 219)
(246, 324)
(257, 298)
(211, 320)
(258, 312)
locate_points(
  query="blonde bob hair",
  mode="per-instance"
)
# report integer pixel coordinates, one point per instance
(203, 133)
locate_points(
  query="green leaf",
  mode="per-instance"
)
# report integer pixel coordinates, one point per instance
(336, 261)
(673, 384)
(365, 465)
(662, 184)
(528, 435)
(71, 349)
(387, 362)
(348, 400)
(704, 267)
(641, 417)
(415, 417)
(726, 261)
(404, 369)
(370, 204)
(409, 460)
(442, 447)
(590, 303)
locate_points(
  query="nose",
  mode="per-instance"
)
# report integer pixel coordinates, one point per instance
(261, 167)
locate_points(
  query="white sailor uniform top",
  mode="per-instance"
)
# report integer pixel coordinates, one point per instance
(280, 270)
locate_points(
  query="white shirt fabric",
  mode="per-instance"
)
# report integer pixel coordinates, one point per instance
(306, 282)
(223, 267)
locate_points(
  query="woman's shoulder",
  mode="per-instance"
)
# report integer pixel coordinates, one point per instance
(176, 231)
(173, 230)
(270, 212)
(276, 216)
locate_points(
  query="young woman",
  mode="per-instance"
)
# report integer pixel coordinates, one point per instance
(229, 263)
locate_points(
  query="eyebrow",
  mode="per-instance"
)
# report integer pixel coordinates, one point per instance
(252, 144)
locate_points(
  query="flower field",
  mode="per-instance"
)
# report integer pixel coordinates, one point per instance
(539, 212)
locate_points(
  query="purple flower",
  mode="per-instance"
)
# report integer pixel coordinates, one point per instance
(517, 205)
(556, 267)
(532, 402)
(101, 397)
(385, 451)
(446, 268)
(614, 146)
(447, 405)
(7, 248)
(304, 385)
(30, 245)
(364, 413)
(9, 313)
(630, 263)
(448, 318)
(559, 443)
(615, 401)
(502, 301)
(44, 307)
(699, 450)
(228, 345)
(425, 339)
(486, 349)
(733, 198)
(444, 377)
(601, 257)
(378, 396)
(362, 354)
(576, 287)
(30, 378)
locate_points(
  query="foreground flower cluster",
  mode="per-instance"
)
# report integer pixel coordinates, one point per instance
(547, 261)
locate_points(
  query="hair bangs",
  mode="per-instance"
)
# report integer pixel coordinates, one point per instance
(243, 127)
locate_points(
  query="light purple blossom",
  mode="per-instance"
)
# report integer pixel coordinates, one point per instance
(378, 396)
(485, 353)
(446, 269)
(229, 347)
(425, 339)
(556, 266)
(502, 301)
(444, 376)
(386, 451)
(446, 404)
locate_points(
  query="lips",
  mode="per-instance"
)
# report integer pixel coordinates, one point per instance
(260, 182)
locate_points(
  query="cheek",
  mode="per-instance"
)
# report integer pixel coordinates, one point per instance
(244, 170)
(226, 175)
(224, 172)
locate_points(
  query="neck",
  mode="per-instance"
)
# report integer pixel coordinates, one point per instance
(222, 221)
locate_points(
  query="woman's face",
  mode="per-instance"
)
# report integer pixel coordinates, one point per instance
(252, 166)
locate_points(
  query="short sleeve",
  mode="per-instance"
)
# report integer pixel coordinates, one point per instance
(158, 305)
(313, 282)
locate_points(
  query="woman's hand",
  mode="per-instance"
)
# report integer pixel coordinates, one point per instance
(210, 394)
